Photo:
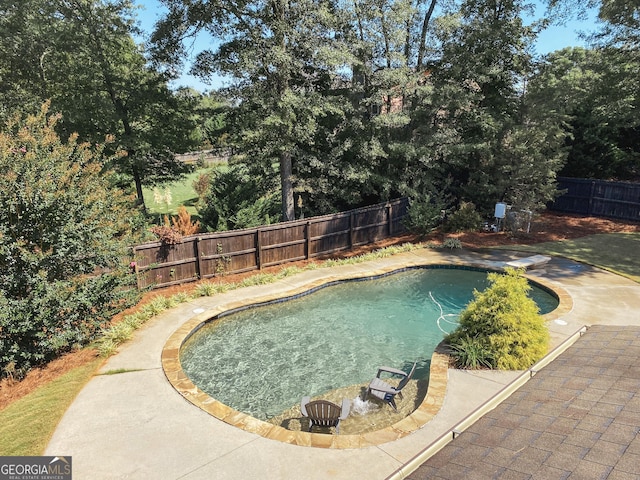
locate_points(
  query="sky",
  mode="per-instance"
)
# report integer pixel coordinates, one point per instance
(553, 38)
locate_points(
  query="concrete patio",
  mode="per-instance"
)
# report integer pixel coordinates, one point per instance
(136, 425)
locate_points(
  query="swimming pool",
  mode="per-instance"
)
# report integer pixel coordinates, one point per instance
(262, 360)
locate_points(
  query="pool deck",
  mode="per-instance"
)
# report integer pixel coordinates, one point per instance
(137, 425)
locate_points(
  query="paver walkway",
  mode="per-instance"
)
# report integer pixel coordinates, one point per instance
(578, 418)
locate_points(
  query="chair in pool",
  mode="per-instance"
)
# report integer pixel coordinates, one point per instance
(322, 413)
(385, 392)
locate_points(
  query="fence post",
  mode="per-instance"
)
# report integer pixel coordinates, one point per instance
(351, 229)
(136, 272)
(198, 258)
(307, 237)
(593, 189)
(389, 220)
(258, 250)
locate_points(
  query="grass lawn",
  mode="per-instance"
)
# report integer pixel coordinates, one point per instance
(616, 252)
(27, 424)
(181, 192)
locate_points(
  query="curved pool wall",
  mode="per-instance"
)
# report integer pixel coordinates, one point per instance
(429, 407)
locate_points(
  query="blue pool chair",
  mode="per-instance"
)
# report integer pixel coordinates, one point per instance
(385, 392)
(323, 413)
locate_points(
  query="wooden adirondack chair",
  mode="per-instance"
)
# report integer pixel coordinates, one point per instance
(322, 413)
(385, 392)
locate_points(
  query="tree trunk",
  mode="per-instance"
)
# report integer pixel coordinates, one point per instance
(281, 77)
(119, 106)
(423, 34)
(288, 211)
(138, 182)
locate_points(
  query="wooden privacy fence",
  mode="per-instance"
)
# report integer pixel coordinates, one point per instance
(599, 198)
(237, 251)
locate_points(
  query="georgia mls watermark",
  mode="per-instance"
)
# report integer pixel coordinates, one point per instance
(35, 468)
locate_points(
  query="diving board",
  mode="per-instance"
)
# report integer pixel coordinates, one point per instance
(529, 262)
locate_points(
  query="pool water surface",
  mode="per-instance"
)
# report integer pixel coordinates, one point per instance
(262, 360)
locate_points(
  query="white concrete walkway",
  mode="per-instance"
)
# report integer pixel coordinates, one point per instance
(135, 425)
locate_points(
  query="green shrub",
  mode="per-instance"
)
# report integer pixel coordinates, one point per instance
(63, 237)
(208, 289)
(288, 271)
(201, 184)
(465, 219)
(258, 279)
(106, 347)
(237, 199)
(156, 306)
(180, 297)
(452, 243)
(119, 333)
(423, 215)
(504, 320)
(136, 320)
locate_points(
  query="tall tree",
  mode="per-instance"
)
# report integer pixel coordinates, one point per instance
(620, 40)
(598, 90)
(592, 92)
(499, 148)
(278, 52)
(81, 55)
(369, 154)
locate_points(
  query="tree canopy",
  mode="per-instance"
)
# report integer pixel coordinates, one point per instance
(350, 104)
(81, 56)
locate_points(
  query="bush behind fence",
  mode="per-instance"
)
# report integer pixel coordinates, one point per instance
(222, 253)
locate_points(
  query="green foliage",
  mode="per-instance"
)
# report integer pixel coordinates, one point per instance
(504, 323)
(471, 353)
(600, 126)
(118, 333)
(423, 215)
(222, 262)
(258, 279)
(337, 104)
(281, 55)
(81, 56)
(237, 199)
(490, 143)
(264, 211)
(212, 113)
(63, 238)
(465, 219)
(452, 243)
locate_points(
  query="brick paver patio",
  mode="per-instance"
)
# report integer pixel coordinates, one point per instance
(578, 418)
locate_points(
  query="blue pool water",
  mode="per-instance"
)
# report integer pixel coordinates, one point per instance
(263, 360)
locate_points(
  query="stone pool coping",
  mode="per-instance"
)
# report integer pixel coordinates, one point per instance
(425, 412)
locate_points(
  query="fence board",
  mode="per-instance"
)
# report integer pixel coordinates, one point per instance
(226, 252)
(221, 253)
(620, 200)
